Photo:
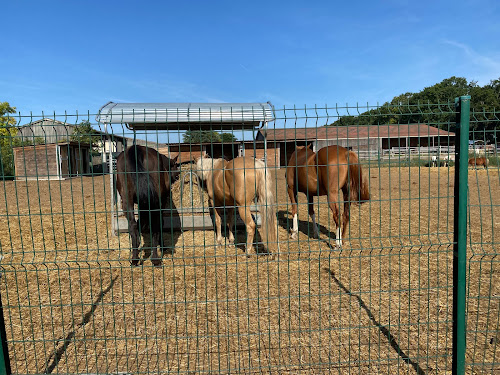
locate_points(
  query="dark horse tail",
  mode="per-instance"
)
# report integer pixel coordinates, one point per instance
(148, 199)
(358, 191)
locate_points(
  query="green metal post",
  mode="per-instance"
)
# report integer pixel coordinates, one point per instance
(462, 106)
(4, 351)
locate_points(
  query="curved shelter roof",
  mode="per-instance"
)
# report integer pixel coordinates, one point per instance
(186, 116)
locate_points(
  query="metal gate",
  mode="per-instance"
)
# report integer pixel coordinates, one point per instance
(414, 287)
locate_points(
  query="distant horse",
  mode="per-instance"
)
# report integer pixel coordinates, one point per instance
(236, 183)
(324, 173)
(475, 162)
(144, 176)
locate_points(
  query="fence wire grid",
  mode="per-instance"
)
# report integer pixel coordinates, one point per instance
(381, 303)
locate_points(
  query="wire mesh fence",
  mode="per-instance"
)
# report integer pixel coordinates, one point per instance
(376, 298)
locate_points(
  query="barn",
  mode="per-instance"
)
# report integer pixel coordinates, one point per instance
(52, 161)
(55, 154)
(363, 139)
(189, 151)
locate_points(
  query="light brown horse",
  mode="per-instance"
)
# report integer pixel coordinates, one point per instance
(324, 173)
(236, 183)
(475, 162)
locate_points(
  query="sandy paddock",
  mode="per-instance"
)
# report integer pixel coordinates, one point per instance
(72, 303)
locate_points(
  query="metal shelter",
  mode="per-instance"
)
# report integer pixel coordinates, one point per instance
(176, 117)
(187, 116)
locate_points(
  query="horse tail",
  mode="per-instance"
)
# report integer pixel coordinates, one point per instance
(266, 203)
(358, 191)
(148, 200)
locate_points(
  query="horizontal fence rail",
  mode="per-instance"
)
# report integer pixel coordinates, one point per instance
(300, 295)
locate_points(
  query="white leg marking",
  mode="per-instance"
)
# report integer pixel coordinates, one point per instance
(295, 227)
(338, 237)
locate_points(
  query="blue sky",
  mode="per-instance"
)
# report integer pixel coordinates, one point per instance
(78, 55)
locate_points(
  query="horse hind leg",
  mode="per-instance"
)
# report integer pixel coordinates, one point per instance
(246, 216)
(230, 224)
(294, 231)
(218, 214)
(345, 216)
(133, 230)
(334, 207)
(313, 216)
(155, 259)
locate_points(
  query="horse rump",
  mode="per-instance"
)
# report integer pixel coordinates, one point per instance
(146, 183)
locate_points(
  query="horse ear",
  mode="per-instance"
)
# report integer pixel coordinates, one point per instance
(174, 160)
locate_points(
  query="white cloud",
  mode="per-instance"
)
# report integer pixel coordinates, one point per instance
(487, 68)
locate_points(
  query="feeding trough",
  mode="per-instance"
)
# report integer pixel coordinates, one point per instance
(148, 118)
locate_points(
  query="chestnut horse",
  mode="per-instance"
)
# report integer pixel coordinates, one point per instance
(475, 162)
(236, 183)
(144, 176)
(324, 173)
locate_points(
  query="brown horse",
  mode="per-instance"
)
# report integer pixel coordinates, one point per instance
(144, 176)
(475, 162)
(324, 173)
(236, 183)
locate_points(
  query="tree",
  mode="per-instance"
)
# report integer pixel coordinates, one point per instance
(7, 140)
(86, 134)
(228, 138)
(433, 105)
(207, 136)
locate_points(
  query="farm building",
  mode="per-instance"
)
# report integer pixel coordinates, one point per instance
(48, 131)
(361, 139)
(282, 142)
(57, 155)
(189, 151)
(52, 161)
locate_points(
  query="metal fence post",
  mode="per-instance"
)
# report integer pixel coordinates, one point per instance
(462, 106)
(4, 351)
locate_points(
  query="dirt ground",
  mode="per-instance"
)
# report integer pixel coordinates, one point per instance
(383, 303)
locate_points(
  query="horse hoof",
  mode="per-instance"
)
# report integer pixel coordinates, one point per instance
(156, 262)
(134, 263)
(293, 235)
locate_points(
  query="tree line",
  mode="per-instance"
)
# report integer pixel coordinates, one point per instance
(433, 105)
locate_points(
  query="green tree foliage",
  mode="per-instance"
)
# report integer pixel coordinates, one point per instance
(208, 136)
(227, 138)
(7, 140)
(428, 105)
(86, 134)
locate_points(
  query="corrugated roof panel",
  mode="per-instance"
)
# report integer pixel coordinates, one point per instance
(186, 115)
(357, 131)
